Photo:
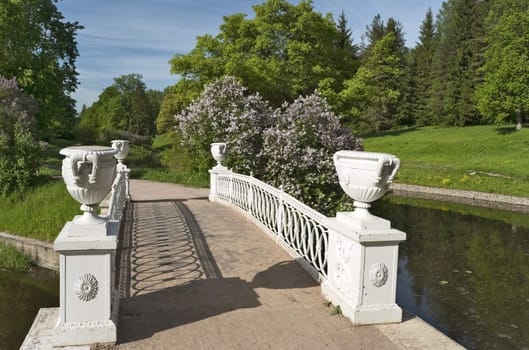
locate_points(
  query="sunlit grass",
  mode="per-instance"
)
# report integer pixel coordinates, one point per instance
(41, 213)
(13, 259)
(480, 158)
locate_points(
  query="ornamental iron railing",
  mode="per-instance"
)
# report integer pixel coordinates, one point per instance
(299, 229)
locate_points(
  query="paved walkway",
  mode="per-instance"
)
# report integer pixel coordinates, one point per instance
(198, 275)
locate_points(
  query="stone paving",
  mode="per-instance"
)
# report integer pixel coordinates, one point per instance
(199, 275)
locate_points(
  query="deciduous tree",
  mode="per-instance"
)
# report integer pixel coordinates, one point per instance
(20, 154)
(38, 47)
(283, 51)
(504, 94)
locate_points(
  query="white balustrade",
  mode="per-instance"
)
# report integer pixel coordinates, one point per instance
(298, 228)
(119, 196)
(354, 255)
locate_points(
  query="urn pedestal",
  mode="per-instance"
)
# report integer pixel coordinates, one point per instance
(88, 311)
(89, 302)
(363, 248)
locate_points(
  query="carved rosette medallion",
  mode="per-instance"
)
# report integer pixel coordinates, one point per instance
(378, 274)
(86, 287)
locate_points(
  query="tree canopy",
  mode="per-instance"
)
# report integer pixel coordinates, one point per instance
(504, 94)
(126, 106)
(284, 51)
(38, 48)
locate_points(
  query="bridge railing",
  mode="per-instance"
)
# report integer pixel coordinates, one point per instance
(353, 255)
(299, 229)
(119, 195)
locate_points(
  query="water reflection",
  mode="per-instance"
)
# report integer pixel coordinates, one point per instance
(466, 275)
(21, 296)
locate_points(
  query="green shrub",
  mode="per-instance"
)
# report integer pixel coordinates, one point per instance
(20, 153)
(39, 213)
(13, 259)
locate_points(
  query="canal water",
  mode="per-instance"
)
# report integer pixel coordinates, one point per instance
(464, 270)
(21, 296)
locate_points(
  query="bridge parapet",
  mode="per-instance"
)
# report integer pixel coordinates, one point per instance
(353, 255)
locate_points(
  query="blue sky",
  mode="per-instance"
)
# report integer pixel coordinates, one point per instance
(122, 37)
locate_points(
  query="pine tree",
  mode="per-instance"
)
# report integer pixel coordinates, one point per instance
(422, 72)
(373, 95)
(457, 59)
(374, 32)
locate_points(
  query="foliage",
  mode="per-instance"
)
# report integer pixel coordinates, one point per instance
(504, 94)
(456, 63)
(372, 97)
(13, 259)
(282, 52)
(125, 106)
(298, 151)
(478, 158)
(19, 152)
(422, 71)
(38, 47)
(175, 99)
(224, 112)
(18, 212)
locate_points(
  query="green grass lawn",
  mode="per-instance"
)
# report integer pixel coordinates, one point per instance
(40, 213)
(480, 158)
(13, 259)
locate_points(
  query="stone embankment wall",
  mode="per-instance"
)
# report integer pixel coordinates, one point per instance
(42, 252)
(480, 199)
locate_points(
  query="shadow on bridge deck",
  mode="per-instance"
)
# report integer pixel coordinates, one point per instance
(197, 275)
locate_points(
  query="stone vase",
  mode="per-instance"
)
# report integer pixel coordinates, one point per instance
(365, 177)
(219, 151)
(122, 146)
(88, 172)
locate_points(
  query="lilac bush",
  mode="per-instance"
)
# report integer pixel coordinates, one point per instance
(292, 146)
(225, 112)
(298, 149)
(19, 152)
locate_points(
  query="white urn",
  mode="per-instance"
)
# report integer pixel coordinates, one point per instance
(365, 177)
(88, 172)
(123, 147)
(219, 151)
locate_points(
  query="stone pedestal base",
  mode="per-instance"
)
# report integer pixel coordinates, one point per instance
(88, 300)
(362, 269)
(373, 314)
(47, 333)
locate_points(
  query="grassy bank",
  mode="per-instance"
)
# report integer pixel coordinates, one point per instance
(480, 158)
(40, 213)
(12, 259)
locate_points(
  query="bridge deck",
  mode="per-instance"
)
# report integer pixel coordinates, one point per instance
(198, 275)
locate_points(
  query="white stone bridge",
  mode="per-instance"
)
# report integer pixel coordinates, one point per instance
(240, 265)
(199, 275)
